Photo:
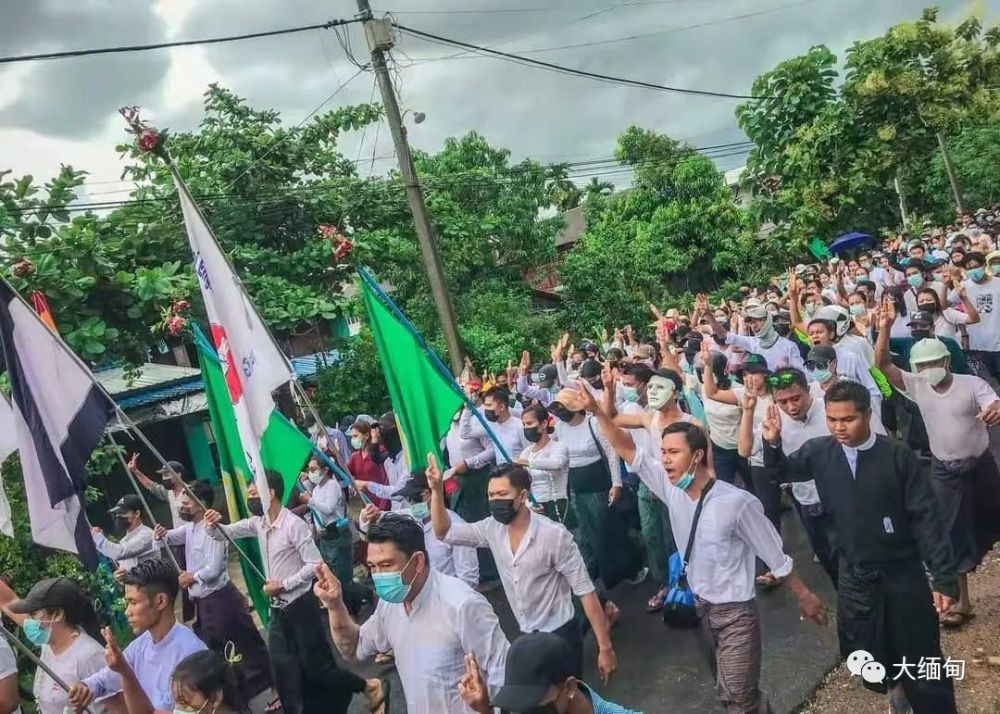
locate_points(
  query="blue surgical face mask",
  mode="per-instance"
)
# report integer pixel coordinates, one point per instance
(916, 280)
(685, 481)
(820, 375)
(390, 586)
(629, 394)
(976, 274)
(420, 511)
(36, 631)
(315, 478)
(857, 309)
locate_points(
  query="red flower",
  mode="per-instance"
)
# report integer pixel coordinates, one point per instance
(181, 306)
(176, 324)
(148, 139)
(329, 232)
(342, 249)
(22, 268)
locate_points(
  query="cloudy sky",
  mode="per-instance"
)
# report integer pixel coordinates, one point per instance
(65, 111)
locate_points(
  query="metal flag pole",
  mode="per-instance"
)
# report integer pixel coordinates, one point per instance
(26, 651)
(140, 494)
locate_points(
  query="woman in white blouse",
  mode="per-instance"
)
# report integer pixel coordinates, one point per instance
(547, 461)
(948, 321)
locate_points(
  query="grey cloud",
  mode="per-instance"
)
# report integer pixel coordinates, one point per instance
(75, 97)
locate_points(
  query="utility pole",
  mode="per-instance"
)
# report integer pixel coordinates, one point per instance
(949, 169)
(378, 33)
(903, 213)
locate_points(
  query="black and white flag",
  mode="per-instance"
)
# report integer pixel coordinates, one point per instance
(59, 416)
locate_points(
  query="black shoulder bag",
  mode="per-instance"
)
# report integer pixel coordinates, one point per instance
(678, 606)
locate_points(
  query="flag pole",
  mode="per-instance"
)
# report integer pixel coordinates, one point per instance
(26, 651)
(139, 493)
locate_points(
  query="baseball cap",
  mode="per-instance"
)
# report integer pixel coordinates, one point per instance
(535, 662)
(126, 504)
(415, 486)
(921, 317)
(754, 363)
(172, 466)
(929, 349)
(590, 369)
(821, 354)
(50, 594)
(569, 399)
(588, 346)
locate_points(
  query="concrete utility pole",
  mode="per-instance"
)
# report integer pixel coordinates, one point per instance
(378, 33)
(949, 169)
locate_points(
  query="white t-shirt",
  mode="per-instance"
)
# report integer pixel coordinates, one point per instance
(953, 431)
(84, 657)
(946, 324)
(8, 663)
(723, 423)
(549, 469)
(985, 296)
(759, 413)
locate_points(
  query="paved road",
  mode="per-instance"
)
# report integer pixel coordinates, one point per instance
(665, 670)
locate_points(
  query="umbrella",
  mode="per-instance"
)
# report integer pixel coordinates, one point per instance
(848, 241)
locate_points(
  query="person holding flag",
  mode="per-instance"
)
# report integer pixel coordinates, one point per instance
(136, 545)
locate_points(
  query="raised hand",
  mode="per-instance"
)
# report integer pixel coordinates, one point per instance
(610, 378)
(701, 304)
(133, 462)
(525, 363)
(472, 688)
(434, 478)
(588, 398)
(327, 588)
(113, 656)
(770, 428)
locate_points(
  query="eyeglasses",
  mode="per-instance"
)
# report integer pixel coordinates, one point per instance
(783, 379)
(817, 365)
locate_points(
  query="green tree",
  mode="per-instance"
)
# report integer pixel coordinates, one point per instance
(976, 155)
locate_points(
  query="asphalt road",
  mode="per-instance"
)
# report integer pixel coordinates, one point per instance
(662, 670)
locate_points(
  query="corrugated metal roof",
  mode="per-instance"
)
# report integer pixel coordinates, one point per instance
(114, 380)
(161, 394)
(309, 365)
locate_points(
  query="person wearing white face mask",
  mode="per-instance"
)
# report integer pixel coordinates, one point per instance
(764, 339)
(733, 532)
(958, 410)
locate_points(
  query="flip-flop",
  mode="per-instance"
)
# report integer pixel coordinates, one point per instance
(655, 603)
(383, 703)
(954, 620)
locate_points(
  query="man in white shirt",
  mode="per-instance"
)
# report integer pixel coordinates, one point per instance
(304, 670)
(137, 543)
(540, 565)
(959, 410)
(764, 340)
(504, 425)
(457, 561)
(732, 532)
(983, 290)
(430, 621)
(222, 617)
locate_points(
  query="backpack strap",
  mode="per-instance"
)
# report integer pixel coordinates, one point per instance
(694, 525)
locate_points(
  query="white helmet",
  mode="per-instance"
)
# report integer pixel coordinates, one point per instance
(836, 314)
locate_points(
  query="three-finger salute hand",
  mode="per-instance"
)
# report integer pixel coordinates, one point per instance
(327, 587)
(434, 478)
(471, 687)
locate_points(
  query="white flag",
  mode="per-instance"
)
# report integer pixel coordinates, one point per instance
(253, 364)
(8, 445)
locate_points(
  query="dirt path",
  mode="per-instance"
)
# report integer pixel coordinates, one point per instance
(978, 693)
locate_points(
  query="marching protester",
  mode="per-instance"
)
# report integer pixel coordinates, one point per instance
(136, 545)
(150, 594)
(504, 425)
(547, 461)
(430, 620)
(457, 561)
(721, 572)
(983, 288)
(888, 525)
(389, 453)
(362, 465)
(764, 340)
(540, 566)
(305, 673)
(966, 480)
(222, 619)
(59, 618)
(538, 677)
(169, 490)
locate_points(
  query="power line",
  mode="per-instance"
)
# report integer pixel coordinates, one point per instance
(570, 70)
(179, 43)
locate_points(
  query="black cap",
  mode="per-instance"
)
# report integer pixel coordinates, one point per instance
(127, 504)
(535, 662)
(50, 594)
(921, 317)
(172, 466)
(588, 346)
(590, 369)
(753, 363)
(413, 488)
(387, 421)
(822, 354)
(547, 374)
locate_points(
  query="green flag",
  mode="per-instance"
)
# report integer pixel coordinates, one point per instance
(283, 449)
(423, 399)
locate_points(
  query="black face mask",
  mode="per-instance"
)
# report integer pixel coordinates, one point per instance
(920, 334)
(390, 437)
(186, 515)
(564, 415)
(597, 383)
(532, 433)
(490, 414)
(782, 329)
(503, 510)
(254, 505)
(927, 306)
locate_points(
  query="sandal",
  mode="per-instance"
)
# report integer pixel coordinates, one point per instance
(954, 619)
(655, 603)
(382, 705)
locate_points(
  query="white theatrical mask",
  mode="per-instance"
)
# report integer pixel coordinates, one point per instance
(658, 391)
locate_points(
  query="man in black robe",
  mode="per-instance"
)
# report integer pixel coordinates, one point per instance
(887, 522)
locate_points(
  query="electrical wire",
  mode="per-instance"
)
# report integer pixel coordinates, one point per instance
(179, 43)
(552, 67)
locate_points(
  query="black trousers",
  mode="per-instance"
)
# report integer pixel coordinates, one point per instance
(572, 633)
(765, 487)
(819, 529)
(222, 618)
(888, 612)
(305, 673)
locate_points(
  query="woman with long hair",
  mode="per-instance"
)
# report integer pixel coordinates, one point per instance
(948, 322)
(547, 461)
